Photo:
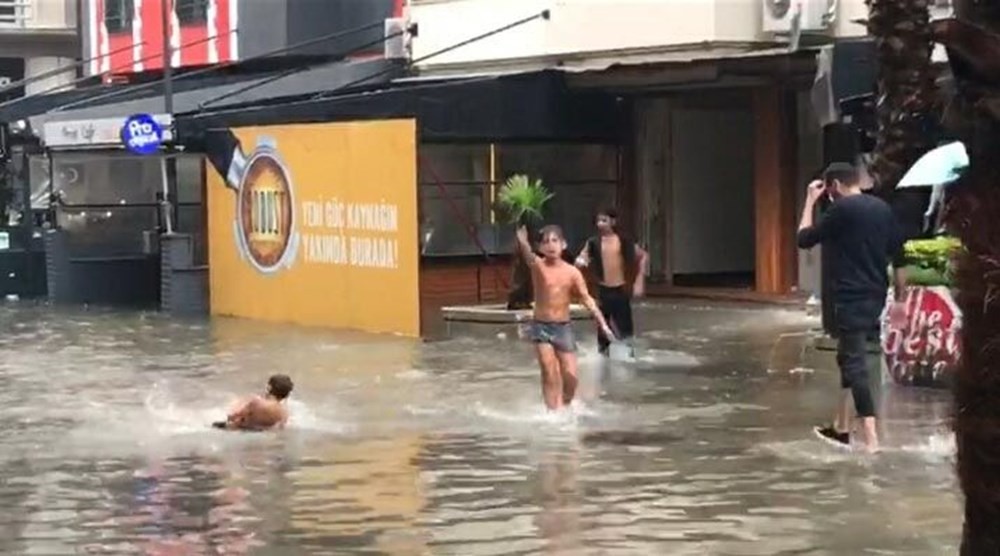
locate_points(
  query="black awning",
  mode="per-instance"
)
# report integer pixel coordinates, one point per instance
(33, 105)
(28, 106)
(527, 106)
(225, 91)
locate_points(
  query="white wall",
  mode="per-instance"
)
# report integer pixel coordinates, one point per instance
(576, 26)
(849, 10)
(810, 161)
(52, 14)
(587, 26)
(738, 20)
(37, 65)
(713, 202)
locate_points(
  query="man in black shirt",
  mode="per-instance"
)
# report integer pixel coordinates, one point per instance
(860, 235)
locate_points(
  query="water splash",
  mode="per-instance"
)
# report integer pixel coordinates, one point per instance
(651, 459)
(788, 353)
(935, 447)
(412, 374)
(531, 416)
(303, 417)
(668, 358)
(809, 451)
(173, 418)
(170, 418)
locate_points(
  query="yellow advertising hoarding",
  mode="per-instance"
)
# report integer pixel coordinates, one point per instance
(316, 224)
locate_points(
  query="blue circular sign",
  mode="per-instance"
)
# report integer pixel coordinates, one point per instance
(141, 134)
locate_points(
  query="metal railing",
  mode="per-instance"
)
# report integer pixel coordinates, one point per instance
(15, 13)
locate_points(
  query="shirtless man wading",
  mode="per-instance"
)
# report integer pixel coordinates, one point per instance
(555, 283)
(612, 257)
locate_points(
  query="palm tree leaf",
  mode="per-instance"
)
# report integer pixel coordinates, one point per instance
(520, 196)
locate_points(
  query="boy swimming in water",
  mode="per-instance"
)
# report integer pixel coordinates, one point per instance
(555, 283)
(261, 412)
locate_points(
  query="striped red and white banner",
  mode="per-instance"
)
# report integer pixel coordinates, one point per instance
(208, 42)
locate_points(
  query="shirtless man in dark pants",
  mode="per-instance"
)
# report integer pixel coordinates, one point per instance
(611, 257)
(555, 283)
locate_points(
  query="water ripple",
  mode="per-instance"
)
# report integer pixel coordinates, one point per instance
(399, 447)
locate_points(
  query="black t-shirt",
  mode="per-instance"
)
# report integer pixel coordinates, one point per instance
(861, 236)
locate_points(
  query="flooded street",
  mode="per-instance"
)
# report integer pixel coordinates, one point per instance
(401, 447)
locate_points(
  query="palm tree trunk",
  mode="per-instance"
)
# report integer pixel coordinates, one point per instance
(974, 216)
(906, 87)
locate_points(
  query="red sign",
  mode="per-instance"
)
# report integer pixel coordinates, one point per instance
(925, 348)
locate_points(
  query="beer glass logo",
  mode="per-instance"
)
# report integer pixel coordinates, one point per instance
(265, 215)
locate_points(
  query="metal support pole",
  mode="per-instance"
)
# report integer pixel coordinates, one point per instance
(27, 224)
(168, 70)
(169, 161)
(22, 180)
(51, 213)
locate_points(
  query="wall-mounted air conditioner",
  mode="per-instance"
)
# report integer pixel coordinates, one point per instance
(813, 15)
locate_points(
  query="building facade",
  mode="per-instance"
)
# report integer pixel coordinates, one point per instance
(718, 134)
(698, 120)
(111, 207)
(36, 37)
(124, 37)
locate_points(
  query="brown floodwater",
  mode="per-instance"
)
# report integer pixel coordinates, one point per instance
(701, 446)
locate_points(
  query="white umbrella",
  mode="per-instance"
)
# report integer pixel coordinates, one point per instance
(940, 166)
(937, 168)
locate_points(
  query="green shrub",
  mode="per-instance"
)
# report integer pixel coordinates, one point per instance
(929, 261)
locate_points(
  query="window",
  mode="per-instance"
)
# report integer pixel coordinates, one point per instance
(14, 13)
(191, 11)
(108, 231)
(454, 199)
(38, 177)
(458, 185)
(11, 13)
(118, 15)
(191, 217)
(9, 212)
(14, 178)
(106, 178)
(110, 198)
(582, 178)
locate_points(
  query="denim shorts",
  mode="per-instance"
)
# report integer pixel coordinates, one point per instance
(558, 334)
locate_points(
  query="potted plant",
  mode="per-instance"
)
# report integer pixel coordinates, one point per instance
(929, 261)
(522, 201)
(924, 350)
